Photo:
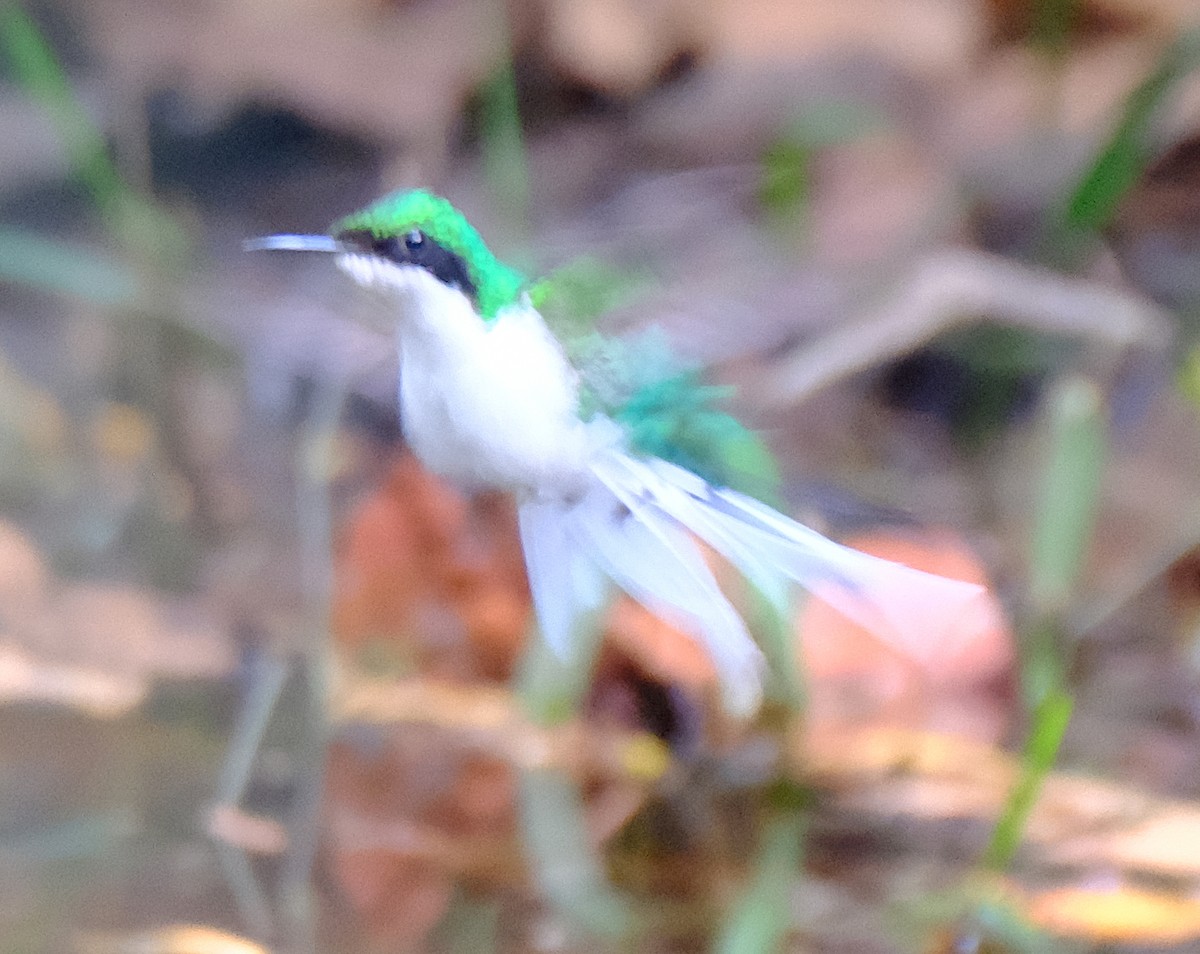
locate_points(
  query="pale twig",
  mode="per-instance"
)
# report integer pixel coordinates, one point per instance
(955, 288)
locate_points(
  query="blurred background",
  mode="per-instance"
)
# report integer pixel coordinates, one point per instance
(266, 685)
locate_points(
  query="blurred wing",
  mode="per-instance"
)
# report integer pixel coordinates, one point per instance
(764, 544)
(650, 556)
(673, 501)
(566, 586)
(634, 525)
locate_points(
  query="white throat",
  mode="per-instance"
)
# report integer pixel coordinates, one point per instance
(485, 403)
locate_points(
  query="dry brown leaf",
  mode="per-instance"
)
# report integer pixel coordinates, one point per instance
(400, 900)
(90, 646)
(490, 719)
(104, 695)
(620, 47)
(1085, 824)
(436, 576)
(929, 37)
(1120, 916)
(324, 59)
(176, 939)
(1149, 836)
(129, 629)
(400, 840)
(24, 579)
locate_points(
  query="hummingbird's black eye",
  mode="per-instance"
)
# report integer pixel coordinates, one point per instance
(414, 248)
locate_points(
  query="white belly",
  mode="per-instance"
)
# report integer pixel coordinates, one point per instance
(493, 405)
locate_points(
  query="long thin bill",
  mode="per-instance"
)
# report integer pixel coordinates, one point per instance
(293, 243)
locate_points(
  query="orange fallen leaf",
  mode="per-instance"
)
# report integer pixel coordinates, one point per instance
(953, 677)
(425, 570)
(973, 643)
(657, 647)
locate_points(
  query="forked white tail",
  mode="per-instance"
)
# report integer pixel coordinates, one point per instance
(635, 524)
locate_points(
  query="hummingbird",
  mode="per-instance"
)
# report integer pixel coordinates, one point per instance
(619, 463)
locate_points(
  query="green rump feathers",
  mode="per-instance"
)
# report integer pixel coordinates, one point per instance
(496, 285)
(668, 410)
(665, 408)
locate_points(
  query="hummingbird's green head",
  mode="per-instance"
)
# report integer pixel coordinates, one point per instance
(417, 228)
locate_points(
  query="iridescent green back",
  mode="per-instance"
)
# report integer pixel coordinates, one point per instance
(670, 411)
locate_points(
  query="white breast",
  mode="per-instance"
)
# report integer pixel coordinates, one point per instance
(487, 404)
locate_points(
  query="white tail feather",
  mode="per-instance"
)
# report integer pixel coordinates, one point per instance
(657, 563)
(874, 592)
(567, 587)
(675, 502)
(634, 524)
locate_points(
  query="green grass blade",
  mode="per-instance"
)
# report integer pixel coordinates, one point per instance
(1069, 497)
(502, 140)
(1063, 523)
(39, 72)
(762, 917)
(1065, 518)
(133, 219)
(775, 633)
(1129, 150)
(62, 268)
(786, 165)
(564, 864)
(551, 686)
(1041, 750)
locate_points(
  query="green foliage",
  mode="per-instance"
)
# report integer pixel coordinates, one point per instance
(1066, 508)
(785, 184)
(1064, 521)
(505, 163)
(39, 72)
(551, 685)
(770, 618)
(1063, 524)
(1189, 375)
(979, 916)
(678, 419)
(762, 917)
(496, 116)
(1127, 152)
(560, 854)
(137, 223)
(35, 261)
(786, 167)
(1050, 721)
(1002, 364)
